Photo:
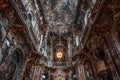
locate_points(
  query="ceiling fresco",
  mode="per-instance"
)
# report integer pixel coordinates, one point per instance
(59, 14)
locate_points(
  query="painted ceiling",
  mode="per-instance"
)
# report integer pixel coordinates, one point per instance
(59, 14)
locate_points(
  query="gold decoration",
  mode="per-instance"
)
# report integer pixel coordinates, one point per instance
(59, 54)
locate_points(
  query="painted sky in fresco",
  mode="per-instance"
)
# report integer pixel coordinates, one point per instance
(59, 13)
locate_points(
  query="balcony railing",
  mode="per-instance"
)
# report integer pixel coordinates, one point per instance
(59, 64)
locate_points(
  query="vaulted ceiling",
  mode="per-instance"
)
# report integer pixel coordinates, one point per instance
(62, 32)
(59, 14)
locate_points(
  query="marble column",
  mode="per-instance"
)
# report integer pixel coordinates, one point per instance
(70, 75)
(34, 74)
(1, 54)
(78, 71)
(51, 49)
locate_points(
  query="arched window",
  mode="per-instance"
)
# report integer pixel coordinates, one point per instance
(25, 2)
(15, 56)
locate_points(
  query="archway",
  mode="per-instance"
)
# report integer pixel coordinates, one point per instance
(12, 64)
(18, 59)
